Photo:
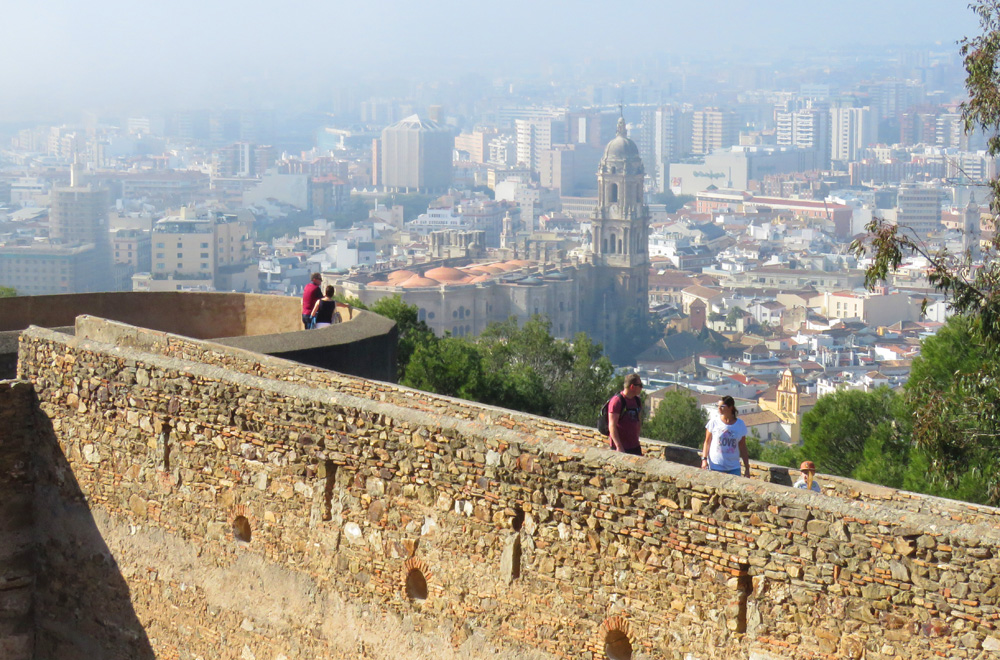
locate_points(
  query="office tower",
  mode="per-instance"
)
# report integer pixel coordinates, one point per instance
(476, 144)
(537, 135)
(417, 156)
(243, 159)
(78, 216)
(591, 127)
(569, 168)
(918, 208)
(671, 141)
(713, 128)
(851, 130)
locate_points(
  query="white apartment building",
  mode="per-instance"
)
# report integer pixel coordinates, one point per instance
(807, 129)
(851, 130)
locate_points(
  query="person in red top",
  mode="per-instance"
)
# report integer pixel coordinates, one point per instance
(310, 295)
(625, 417)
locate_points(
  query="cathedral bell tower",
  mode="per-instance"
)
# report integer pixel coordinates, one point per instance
(619, 242)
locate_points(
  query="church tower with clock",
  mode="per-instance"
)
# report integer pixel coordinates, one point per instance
(620, 245)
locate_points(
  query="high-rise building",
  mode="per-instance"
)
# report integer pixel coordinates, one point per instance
(78, 216)
(851, 130)
(476, 144)
(417, 156)
(592, 127)
(918, 208)
(243, 159)
(569, 168)
(671, 141)
(537, 135)
(714, 128)
(808, 128)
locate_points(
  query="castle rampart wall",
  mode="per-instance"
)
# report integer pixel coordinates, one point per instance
(17, 523)
(239, 501)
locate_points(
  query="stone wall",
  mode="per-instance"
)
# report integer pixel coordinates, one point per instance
(194, 314)
(364, 344)
(17, 571)
(242, 499)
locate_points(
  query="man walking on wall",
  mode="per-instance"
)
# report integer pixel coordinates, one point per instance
(310, 295)
(625, 417)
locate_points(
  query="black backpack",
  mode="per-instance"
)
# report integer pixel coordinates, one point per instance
(603, 425)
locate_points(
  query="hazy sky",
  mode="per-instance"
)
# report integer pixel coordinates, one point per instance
(119, 52)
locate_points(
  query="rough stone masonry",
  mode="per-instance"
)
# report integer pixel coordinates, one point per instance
(191, 500)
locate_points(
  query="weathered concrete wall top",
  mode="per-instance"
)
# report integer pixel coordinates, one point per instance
(241, 495)
(204, 315)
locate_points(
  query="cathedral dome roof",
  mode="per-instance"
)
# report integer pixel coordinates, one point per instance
(446, 274)
(398, 276)
(417, 282)
(621, 147)
(492, 269)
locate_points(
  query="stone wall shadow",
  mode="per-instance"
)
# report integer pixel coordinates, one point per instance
(82, 604)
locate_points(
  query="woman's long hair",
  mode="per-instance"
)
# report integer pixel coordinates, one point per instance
(729, 401)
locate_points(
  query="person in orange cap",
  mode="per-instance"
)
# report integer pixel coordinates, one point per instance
(807, 481)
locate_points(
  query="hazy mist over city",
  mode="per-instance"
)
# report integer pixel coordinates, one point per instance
(62, 57)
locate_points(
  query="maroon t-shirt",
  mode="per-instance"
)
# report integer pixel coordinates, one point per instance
(628, 420)
(309, 297)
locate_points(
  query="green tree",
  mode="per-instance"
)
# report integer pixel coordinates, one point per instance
(449, 366)
(885, 458)
(956, 420)
(412, 332)
(587, 385)
(835, 431)
(678, 419)
(7, 292)
(778, 453)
